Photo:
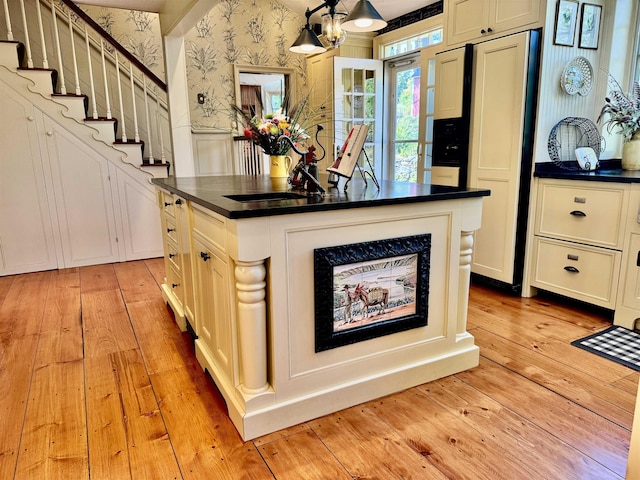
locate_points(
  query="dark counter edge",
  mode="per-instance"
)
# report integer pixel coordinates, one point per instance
(268, 211)
(607, 171)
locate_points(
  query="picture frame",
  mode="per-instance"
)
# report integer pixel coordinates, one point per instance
(590, 26)
(370, 289)
(566, 20)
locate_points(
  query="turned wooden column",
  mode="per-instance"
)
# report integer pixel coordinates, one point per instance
(464, 280)
(252, 325)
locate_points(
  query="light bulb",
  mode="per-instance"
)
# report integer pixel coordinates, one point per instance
(363, 22)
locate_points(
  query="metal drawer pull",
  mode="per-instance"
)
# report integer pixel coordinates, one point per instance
(178, 202)
(205, 256)
(572, 257)
(169, 230)
(174, 285)
(578, 213)
(571, 269)
(579, 199)
(171, 255)
(166, 204)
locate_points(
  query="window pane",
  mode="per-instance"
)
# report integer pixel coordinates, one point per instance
(406, 165)
(407, 104)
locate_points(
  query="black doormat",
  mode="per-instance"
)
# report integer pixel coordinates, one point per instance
(615, 343)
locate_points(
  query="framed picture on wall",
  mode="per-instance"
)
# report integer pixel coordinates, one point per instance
(590, 26)
(566, 19)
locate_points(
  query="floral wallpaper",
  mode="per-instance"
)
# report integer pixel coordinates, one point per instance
(248, 32)
(138, 32)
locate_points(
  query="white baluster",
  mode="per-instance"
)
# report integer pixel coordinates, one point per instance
(93, 86)
(63, 87)
(27, 43)
(104, 78)
(73, 54)
(163, 159)
(146, 111)
(7, 19)
(122, 122)
(45, 60)
(136, 132)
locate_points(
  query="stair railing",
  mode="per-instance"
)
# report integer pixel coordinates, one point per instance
(52, 18)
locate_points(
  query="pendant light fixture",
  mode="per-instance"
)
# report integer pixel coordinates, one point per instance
(363, 18)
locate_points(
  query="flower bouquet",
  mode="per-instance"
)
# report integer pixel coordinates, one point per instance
(623, 109)
(267, 131)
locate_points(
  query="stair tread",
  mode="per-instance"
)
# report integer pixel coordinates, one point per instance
(99, 119)
(69, 95)
(154, 164)
(38, 69)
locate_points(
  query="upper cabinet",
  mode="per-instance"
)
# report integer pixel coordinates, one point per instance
(474, 20)
(449, 84)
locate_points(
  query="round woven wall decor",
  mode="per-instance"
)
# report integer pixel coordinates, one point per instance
(569, 134)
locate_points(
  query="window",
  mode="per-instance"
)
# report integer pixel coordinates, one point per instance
(412, 44)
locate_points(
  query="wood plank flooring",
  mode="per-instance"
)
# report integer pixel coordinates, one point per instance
(96, 381)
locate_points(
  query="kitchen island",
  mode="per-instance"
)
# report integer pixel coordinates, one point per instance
(303, 305)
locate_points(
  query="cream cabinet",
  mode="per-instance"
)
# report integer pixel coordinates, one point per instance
(213, 289)
(476, 20)
(448, 94)
(496, 154)
(628, 306)
(178, 287)
(579, 235)
(26, 231)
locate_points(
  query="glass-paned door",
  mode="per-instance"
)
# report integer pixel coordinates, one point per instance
(404, 119)
(358, 101)
(427, 105)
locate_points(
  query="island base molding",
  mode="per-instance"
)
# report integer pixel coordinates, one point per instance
(262, 416)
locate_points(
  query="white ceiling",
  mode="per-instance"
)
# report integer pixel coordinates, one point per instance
(389, 9)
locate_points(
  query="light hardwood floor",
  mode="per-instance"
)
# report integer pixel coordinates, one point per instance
(96, 381)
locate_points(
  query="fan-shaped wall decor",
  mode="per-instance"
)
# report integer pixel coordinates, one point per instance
(569, 134)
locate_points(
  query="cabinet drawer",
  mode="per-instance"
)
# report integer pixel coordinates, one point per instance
(578, 271)
(174, 282)
(172, 255)
(167, 203)
(172, 231)
(591, 215)
(212, 228)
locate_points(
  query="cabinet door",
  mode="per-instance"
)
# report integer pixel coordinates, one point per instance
(140, 217)
(26, 232)
(509, 14)
(321, 100)
(497, 120)
(84, 201)
(184, 245)
(214, 328)
(466, 19)
(449, 71)
(631, 281)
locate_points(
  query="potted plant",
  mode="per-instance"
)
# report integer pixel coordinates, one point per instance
(623, 115)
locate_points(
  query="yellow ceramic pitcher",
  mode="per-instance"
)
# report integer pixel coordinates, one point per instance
(280, 165)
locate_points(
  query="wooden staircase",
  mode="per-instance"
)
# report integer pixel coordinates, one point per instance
(44, 82)
(72, 191)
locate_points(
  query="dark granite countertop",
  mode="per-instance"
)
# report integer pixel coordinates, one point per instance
(608, 171)
(258, 196)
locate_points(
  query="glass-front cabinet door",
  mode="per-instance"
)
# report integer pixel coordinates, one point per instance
(358, 101)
